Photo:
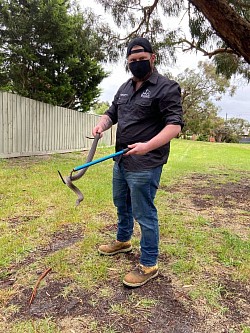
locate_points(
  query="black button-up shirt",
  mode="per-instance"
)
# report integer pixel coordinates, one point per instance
(142, 114)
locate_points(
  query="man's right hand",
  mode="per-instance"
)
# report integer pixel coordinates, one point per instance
(104, 124)
(97, 129)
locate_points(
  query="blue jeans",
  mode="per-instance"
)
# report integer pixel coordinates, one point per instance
(133, 195)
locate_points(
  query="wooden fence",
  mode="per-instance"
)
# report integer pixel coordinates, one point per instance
(29, 127)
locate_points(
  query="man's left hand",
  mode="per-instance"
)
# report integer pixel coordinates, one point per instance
(139, 148)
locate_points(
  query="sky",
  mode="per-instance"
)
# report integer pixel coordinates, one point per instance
(237, 106)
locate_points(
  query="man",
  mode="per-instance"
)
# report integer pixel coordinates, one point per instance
(148, 113)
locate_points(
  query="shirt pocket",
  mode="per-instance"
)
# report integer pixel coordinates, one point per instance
(122, 100)
(143, 108)
(122, 105)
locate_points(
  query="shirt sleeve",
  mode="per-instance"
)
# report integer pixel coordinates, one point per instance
(170, 105)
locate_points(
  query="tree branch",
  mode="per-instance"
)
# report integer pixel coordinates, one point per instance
(192, 45)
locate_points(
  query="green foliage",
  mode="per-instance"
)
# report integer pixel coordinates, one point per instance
(199, 90)
(231, 130)
(202, 137)
(100, 107)
(239, 126)
(199, 28)
(226, 63)
(230, 64)
(50, 53)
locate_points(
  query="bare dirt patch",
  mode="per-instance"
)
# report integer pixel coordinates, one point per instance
(236, 297)
(225, 203)
(15, 221)
(168, 315)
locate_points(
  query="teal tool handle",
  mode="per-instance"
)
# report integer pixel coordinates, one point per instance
(86, 165)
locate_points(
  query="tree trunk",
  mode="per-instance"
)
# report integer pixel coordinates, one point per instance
(228, 24)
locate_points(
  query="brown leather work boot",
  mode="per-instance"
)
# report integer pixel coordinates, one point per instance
(140, 275)
(115, 247)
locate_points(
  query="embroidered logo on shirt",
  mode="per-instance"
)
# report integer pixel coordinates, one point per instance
(122, 95)
(146, 94)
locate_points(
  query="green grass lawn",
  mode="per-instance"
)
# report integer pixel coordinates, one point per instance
(203, 206)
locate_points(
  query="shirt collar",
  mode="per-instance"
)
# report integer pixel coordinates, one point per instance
(153, 77)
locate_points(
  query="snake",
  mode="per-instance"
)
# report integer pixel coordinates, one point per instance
(73, 177)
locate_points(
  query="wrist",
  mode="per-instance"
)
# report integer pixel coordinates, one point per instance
(105, 123)
(148, 146)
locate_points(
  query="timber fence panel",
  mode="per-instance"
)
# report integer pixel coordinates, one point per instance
(29, 127)
(1, 126)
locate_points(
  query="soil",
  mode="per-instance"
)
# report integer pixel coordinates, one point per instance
(173, 311)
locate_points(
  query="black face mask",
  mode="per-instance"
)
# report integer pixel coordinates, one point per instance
(140, 68)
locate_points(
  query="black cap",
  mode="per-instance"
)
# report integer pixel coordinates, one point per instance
(141, 41)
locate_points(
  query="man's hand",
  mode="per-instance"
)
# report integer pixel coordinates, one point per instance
(97, 129)
(139, 148)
